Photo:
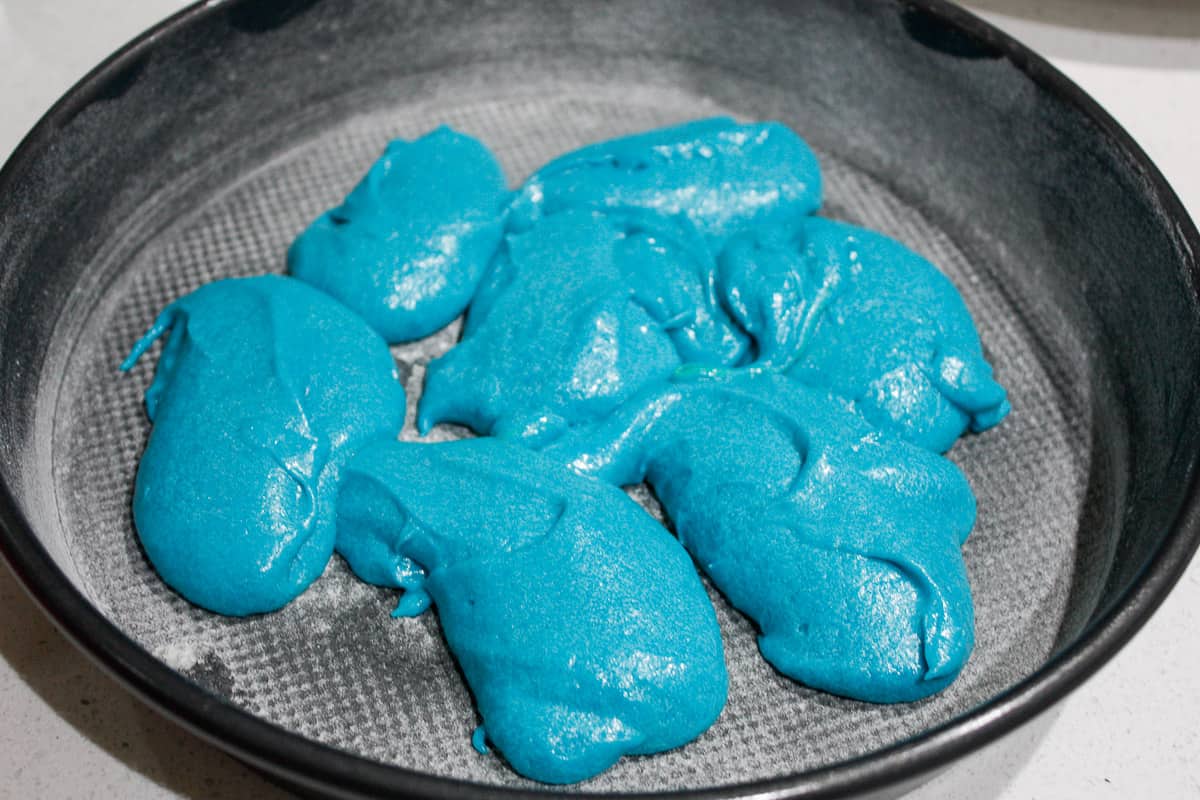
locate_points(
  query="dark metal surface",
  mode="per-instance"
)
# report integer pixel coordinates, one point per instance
(972, 131)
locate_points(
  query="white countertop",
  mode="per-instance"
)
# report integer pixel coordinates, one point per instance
(67, 730)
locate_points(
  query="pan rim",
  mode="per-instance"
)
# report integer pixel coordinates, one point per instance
(314, 766)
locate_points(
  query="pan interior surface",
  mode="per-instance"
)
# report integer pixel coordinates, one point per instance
(165, 181)
(336, 667)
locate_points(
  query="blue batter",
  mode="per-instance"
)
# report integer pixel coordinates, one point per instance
(263, 389)
(579, 623)
(578, 306)
(661, 308)
(573, 317)
(850, 310)
(407, 247)
(721, 175)
(840, 542)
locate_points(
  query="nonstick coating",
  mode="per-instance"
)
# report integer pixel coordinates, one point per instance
(206, 154)
(336, 667)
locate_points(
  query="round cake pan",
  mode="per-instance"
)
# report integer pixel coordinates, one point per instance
(202, 148)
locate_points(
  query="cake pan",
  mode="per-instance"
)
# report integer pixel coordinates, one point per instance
(203, 147)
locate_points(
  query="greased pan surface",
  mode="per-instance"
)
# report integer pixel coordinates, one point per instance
(203, 150)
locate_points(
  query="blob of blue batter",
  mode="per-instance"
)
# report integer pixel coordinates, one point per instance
(407, 247)
(841, 542)
(853, 311)
(574, 315)
(264, 387)
(723, 176)
(581, 626)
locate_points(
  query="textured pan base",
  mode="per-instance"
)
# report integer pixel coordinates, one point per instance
(336, 667)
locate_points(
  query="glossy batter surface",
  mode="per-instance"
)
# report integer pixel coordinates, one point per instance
(721, 175)
(841, 542)
(263, 388)
(579, 623)
(410, 242)
(847, 309)
(574, 315)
